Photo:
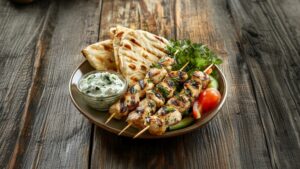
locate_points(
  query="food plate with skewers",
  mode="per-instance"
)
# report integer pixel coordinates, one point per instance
(141, 85)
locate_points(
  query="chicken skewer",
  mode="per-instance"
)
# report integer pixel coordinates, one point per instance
(164, 89)
(171, 113)
(137, 91)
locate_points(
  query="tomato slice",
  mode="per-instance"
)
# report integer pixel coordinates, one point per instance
(209, 99)
(196, 110)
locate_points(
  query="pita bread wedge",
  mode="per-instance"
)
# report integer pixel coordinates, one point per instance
(100, 55)
(117, 34)
(137, 51)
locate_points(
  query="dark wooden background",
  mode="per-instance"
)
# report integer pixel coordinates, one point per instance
(258, 127)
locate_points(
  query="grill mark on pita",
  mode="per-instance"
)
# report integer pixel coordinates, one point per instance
(158, 38)
(107, 47)
(110, 60)
(132, 66)
(143, 67)
(145, 56)
(134, 79)
(151, 52)
(145, 49)
(119, 35)
(152, 36)
(135, 42)
(160, 49)
(127, 46)
(130, 57)
(99, 59)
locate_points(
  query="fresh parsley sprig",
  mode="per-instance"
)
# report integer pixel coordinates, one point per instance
(198, 55)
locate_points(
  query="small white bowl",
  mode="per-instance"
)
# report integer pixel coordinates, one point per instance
(102, 103)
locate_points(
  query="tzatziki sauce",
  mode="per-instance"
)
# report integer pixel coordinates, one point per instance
(101, 84)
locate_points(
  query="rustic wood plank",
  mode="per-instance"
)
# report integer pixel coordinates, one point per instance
(235, 138)
(227, 142)
(109, 150)
(258, 126)
(19, 30)
(270, 46)
(52, 132)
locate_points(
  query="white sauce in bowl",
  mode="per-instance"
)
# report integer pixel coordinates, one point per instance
(101, 84)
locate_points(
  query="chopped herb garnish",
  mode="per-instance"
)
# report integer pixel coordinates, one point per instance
(151, 104)
(132, 90)
(198, 55)
(169, 109)
(157, 65)
(163, 90)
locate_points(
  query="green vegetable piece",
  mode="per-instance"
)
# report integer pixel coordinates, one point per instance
(198, 55)
(162, 90)
(182, 124)
(185, 113)
(156, 66)
(213, 83)
(169, 109)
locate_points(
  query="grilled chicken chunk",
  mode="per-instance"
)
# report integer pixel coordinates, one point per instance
(179, 76)
(166, 116)
(119, 109)
(201, 77)
(137, 92)
(156, 75)
(170, 114)
(166, 62)
(192, 89)
(156, 97)
(145, 109)
(157, 125)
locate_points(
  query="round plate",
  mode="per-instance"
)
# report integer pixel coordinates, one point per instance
(115, 126)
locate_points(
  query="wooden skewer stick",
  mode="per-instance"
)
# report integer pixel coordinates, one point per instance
(176, 52)
(146, 128)
(141, 132)
(110, 117)
(211, 65)
(184, 66)
(124, 129)
(129, 124)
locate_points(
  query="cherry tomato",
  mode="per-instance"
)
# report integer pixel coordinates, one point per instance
(209, 99)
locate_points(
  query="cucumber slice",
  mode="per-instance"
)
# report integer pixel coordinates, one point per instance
(213, 83)
(182, 124)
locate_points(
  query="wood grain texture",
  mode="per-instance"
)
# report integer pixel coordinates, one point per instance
(46, 129)
(18, 40)
(225, 142)
(270, 47)
(258, 127)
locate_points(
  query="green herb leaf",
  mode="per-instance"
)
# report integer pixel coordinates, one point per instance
(199, 55)
(162, 90)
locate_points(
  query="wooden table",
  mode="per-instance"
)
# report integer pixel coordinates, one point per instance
(258, 127)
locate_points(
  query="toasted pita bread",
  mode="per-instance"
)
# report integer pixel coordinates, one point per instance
(117, 34)
(137, 50)
(100, 55)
